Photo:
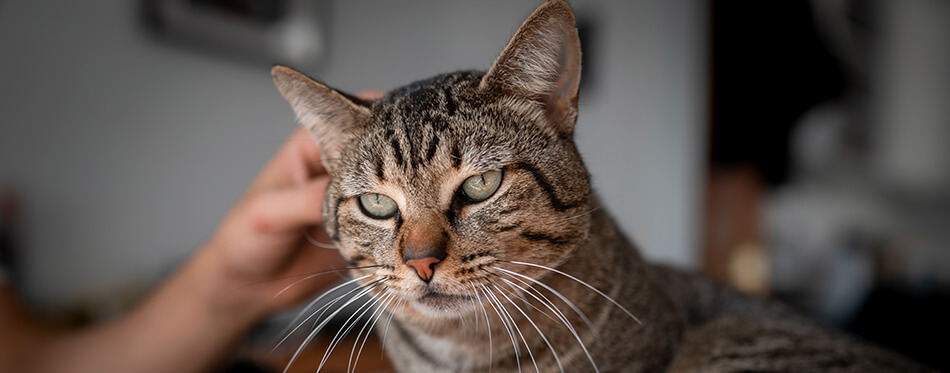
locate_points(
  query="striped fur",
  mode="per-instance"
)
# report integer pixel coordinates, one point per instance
(536, 277)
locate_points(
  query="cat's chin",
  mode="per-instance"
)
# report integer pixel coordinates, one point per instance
(435, 304)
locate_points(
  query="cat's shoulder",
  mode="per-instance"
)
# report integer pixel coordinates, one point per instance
(731, 343)
(728, 331)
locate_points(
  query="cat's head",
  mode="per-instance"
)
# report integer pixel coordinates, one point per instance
(439, 184)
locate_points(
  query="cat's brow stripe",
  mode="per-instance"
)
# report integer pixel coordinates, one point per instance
(433, 146)
(397, 151)
(456, 155)
(553, 240)
(548, 188)
(415, 158)
(450, 105)
(380, 172)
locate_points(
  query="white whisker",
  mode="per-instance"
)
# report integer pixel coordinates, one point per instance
(572, 306)
(290, 330)
(348, 325)
(316, 243)
(516, 328)
(504, 322)
(581, 214)
(474, 306)
(519, 291)
(371, 322)
(563, 298)
(491, 359)
(624, 309)
(386, 332)
(527, 289)
(543, 337)
(310, 276)
(365, 290)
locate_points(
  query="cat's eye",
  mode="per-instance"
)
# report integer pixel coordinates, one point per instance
(378, 206)
(480, 187)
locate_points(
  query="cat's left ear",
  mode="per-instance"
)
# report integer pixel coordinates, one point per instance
(332, 117)
(542, 63)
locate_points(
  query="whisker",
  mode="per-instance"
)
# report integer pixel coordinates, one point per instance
(563, 318)
(316, 243)
(386, 332)
(313, 275)
(366, 289)
(570, 304)
(519, 292)
(388, 296)
(474, 306)
(540, 297)
(289, 330)
(504, 322)
(517, 329)
(464, 325)
(491, 359)
(624, 309)
(582, 214)
(306, 275)
(525, 290)
(394, 299)
(503, 252)
(348, 325)
(543, 337)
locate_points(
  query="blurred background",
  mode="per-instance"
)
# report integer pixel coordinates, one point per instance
(796, 149)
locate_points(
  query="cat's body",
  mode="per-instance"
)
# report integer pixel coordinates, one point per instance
(464, 210)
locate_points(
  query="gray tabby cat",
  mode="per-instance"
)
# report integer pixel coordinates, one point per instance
(464, 211)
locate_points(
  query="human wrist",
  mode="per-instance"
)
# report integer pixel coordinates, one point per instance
(229, 291)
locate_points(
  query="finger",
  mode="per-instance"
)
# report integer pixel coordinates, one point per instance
(304, 157)
(288, 209)
(296, 162)
(371, 94)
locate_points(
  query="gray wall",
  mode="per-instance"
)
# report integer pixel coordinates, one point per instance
(128, 150)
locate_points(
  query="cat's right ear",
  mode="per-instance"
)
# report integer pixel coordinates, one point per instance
(542, 63)
(331, 116)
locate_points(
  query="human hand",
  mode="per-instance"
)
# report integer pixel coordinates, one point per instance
(261, 244)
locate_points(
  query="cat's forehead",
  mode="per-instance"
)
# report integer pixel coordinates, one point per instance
(435, 99)
(424, 91)
(427, 134)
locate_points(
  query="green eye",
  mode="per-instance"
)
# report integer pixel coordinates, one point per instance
(479, 187)
(378, 206)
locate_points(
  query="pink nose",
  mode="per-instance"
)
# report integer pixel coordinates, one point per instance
(424, 267)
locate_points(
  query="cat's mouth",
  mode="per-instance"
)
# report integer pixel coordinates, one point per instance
(442, 301)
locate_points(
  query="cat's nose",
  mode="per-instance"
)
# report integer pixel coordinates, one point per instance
(424, 267)
(423, 259)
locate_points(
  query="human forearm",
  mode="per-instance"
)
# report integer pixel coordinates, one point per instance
(189, 325)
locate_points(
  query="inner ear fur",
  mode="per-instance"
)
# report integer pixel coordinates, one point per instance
(542, 62)
(332, 117)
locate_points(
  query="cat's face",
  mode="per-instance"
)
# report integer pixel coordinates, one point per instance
(439, 185)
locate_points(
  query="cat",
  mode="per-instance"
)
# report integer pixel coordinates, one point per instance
(464, 211)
